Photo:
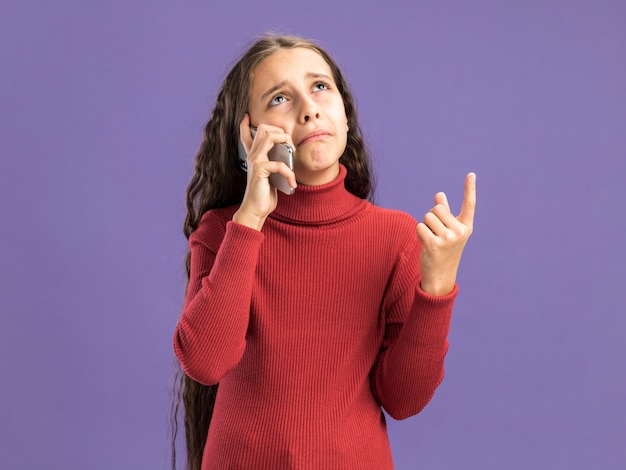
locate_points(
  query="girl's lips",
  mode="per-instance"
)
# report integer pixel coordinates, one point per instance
(313, 136)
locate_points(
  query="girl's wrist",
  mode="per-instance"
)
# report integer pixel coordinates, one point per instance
(438, 287)
(249, 220)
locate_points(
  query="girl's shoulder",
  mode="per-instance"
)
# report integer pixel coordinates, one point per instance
(212, 225)
(393, 227)
(392, 217)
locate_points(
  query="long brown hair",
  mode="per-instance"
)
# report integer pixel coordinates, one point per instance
(218, 181)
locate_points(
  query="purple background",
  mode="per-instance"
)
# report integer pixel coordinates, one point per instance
(102, 105)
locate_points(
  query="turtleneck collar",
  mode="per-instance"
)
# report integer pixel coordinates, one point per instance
(317, 205)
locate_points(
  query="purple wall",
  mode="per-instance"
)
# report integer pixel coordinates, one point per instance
(101, 108)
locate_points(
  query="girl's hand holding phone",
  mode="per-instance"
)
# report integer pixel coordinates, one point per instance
(260, 198)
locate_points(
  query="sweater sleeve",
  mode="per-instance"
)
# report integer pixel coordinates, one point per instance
(410, 364)
(209, 339)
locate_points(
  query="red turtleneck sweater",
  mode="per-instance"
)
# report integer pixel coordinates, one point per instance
(310, 327)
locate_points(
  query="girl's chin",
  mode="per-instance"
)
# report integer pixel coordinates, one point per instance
(315, 175)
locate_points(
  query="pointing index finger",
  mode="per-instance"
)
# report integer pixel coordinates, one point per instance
(466, 217)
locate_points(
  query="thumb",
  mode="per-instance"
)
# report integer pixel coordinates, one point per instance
(441, 198)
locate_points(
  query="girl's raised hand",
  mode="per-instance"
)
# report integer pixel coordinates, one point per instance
(443, 238)
(260, 198)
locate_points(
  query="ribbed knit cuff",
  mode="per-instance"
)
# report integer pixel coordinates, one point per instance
(435, 310)
(239, 250)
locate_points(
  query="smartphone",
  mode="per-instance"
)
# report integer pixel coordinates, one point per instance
(278, 153)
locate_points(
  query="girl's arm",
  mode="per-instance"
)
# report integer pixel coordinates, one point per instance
(410, 365)
(209, 339)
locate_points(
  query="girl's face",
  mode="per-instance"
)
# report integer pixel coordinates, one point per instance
(293, 89)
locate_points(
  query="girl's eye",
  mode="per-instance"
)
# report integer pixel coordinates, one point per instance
(277, 100)
(320, 86)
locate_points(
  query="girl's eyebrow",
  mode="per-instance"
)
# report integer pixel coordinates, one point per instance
(272, 90)
(318, 75)
(278, 86)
